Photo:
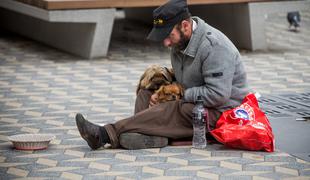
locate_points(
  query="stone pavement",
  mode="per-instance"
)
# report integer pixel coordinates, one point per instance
(41, 90)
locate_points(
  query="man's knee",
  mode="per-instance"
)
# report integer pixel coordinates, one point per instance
(186, 106)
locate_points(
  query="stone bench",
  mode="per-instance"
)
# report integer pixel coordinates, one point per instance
(84, 27)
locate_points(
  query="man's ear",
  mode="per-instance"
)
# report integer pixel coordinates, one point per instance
(187, 28)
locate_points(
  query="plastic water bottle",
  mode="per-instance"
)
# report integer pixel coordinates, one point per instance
(199, 125)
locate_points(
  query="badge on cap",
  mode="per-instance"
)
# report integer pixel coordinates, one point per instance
(158, 22)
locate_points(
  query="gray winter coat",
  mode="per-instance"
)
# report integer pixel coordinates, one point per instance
(210, 66)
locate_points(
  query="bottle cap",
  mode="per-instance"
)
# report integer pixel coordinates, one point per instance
(199, 99)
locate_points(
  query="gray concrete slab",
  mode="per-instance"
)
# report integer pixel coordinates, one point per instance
(292, 136)
(85, 33)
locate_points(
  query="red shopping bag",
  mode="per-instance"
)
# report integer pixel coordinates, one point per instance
(245, 127)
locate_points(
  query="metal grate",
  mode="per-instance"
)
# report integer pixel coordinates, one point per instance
(290, 107)
(277, 107)
(301, 99)
(304, 114)
(266, 100)
(275, 114)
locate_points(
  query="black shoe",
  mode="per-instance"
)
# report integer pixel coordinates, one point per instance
(141, 141)
(92, 133)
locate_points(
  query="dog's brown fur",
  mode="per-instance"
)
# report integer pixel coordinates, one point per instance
(170, 92)
(154, 77)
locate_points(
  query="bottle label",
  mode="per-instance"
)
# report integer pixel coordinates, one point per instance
(199, 117)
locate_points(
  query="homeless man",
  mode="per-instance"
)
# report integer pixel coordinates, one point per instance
(204, 61)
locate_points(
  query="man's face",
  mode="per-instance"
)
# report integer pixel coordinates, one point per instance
(176, 39)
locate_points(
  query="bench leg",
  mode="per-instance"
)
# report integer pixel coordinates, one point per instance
(249, 27)
(102, 34)
(84, 33)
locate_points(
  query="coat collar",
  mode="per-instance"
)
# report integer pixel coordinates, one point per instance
(193, 44)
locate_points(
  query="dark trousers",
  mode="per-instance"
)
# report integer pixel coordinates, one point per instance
(172, 119)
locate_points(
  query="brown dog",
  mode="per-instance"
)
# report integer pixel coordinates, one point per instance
(155, 76)
(170, 92)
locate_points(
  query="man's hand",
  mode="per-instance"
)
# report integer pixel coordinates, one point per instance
(153, 100)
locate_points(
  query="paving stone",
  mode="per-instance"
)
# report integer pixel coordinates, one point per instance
(180, 173)
(276, 175)
(99, 177)
(166, 165)
(139, 175)
(50, 175)
(68, 163)
(153, 170)
(241, 161)
(204, 162)
(202, 174)
(153, 159)
(227, 154)
(86, 171)
(305, 172)
(296, 165)
(190, 157)
(8, 176)
(280, 159)
(220, 170)
(235, 177)
(257, 168)
(127, 168)
(175, 150)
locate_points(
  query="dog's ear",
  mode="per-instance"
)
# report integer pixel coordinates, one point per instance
(146, 77)
(169, 74)
(138, 87)
(160, 91)
(163, 89)
(139, 84)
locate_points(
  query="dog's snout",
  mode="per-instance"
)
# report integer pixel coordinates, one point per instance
(174, 97)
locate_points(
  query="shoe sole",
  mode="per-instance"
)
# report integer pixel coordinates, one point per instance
(141, 141)
(80, 123)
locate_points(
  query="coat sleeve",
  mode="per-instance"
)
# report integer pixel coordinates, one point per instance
(218, 69)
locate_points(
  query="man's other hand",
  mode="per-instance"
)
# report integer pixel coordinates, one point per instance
(153, 100)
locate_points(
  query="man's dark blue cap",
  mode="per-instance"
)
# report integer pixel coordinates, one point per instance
(165, 17)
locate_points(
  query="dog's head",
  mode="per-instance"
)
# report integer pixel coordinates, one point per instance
(154, 77)
(170, 92)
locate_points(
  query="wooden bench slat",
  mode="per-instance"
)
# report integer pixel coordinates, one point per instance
(93, 4)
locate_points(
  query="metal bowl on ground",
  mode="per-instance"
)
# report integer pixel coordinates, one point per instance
(31, 141)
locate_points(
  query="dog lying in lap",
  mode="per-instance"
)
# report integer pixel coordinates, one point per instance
(169, 92)
(161, 81)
